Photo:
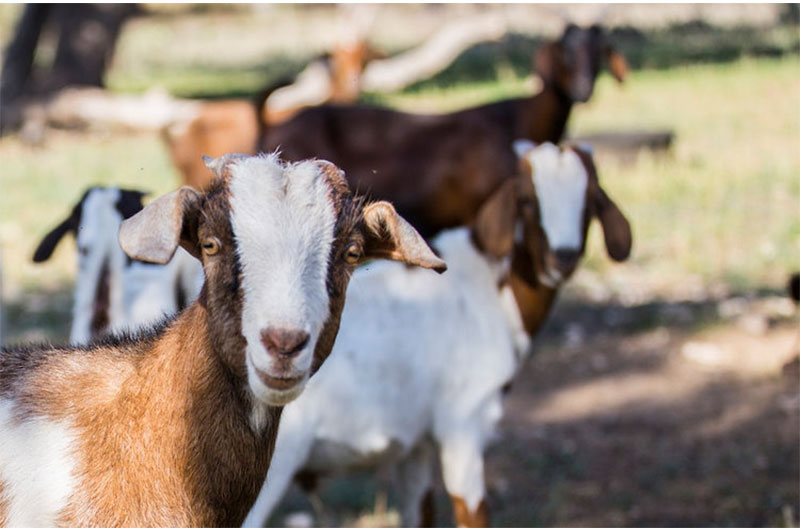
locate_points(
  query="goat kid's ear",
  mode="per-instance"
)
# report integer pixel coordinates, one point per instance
(493, 228)
(48, 244)
(616, 229)
(617, 64)
(389, 236)
(153, 234)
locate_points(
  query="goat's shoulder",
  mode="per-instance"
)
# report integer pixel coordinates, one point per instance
(42, 375)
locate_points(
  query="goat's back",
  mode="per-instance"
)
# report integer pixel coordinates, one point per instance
(436, 169)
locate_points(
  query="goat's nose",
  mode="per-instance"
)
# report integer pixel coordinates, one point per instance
(566, 261)
(284, 342)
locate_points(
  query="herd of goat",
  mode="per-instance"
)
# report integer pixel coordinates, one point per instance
(200, 318)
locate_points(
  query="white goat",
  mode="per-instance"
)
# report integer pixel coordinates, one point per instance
(113, 292)
(421, 361)
(176, 427)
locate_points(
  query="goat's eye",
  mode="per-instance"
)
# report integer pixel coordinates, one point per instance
(211, 245)
(352, 253)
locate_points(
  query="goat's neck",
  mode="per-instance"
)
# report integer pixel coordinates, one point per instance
(546, 115)
(533, 301)
(178, 431)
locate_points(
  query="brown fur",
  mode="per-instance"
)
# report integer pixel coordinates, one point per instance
(234, 126)
(438, 170)
(132, 474)
(428, 510)
(467, 519)
(3, 507)
(220, 127)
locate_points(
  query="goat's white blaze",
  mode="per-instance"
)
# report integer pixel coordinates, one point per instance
(36, 468)
(283, 221)
(97, 246)
(561, 180)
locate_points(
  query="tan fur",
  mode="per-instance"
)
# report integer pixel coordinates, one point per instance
(467, 519)
(233, 126)
(220, 127)
(3, 507)
(151, 421)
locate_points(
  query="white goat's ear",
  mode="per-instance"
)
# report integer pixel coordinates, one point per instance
(389, 236)
(522, 146)
(154, 233)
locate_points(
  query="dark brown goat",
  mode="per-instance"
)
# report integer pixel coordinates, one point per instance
(439, 169)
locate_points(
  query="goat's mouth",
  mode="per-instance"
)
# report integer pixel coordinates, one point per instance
(279, 382)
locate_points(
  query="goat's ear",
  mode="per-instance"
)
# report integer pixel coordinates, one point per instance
(616, 229)
(493, 228)
(130, 202)
(544, 61)
(70, 224)
(48, 244)
(389, 236)
(153, 234)
(617, 64)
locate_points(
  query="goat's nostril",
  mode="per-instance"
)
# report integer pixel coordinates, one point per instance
(283, 341)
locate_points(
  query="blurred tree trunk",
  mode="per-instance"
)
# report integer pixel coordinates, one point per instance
(87, 35)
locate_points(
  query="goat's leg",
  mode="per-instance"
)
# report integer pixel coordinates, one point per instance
(462, 470)
(291, 452)
(415, 482)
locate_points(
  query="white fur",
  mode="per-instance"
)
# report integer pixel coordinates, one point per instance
(36, 468)
(97, 245)
(418, 357)
(283, 221)
(140, 294)
(561, 180)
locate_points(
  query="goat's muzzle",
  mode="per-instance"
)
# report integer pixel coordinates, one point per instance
(284, 342)
(565, 261)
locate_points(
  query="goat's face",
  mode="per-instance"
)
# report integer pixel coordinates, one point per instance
(278, 243)
(545, 212)
(571, 64)
(94, 221)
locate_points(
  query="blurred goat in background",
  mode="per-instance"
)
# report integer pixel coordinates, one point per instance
(113, 292)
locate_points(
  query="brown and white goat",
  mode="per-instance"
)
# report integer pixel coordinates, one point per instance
(446, 348)
(235, 126)
(176, 427)
(438, 169)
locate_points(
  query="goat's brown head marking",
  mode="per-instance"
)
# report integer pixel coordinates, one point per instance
(571, 63)
(544, 214)
(278, 243)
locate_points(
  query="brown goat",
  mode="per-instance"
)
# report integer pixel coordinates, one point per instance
(176, 427)
(438, 170)
(235, 126)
